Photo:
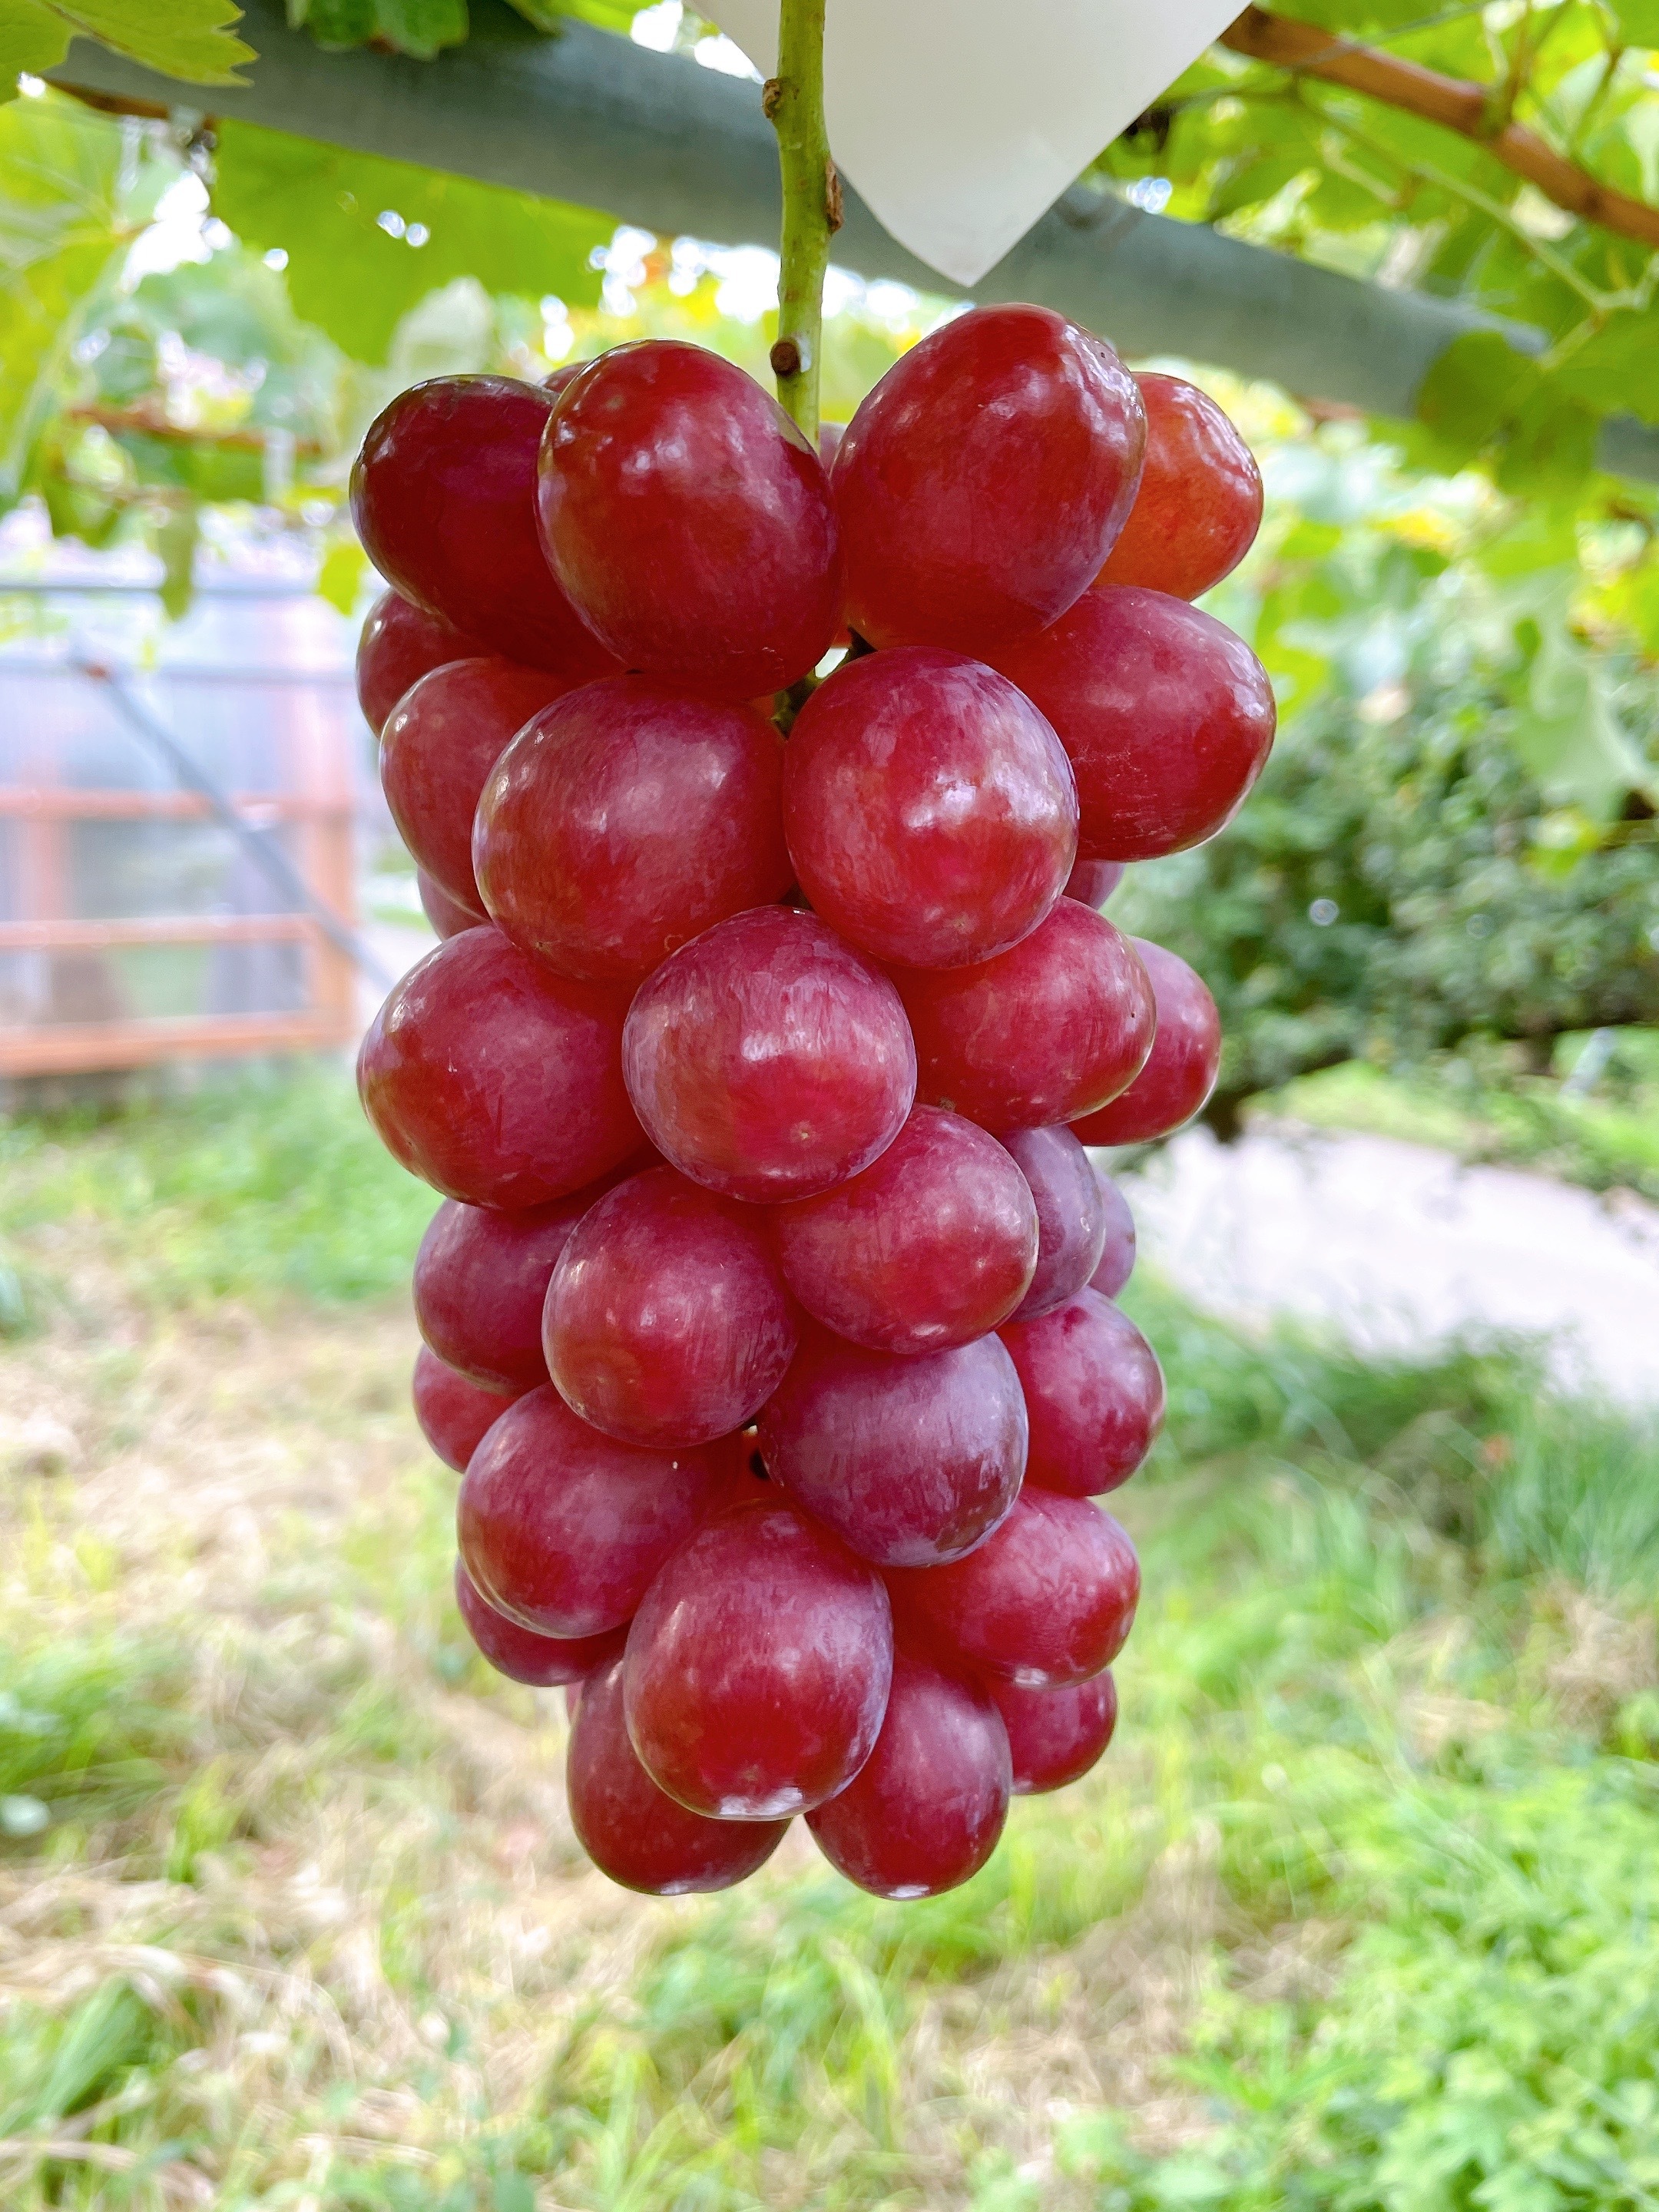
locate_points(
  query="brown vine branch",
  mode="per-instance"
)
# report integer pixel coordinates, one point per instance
(1473, 111)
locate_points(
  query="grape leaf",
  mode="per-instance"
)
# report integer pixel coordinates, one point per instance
(1638, 21)
(420, 28)
(188, 38)
(366, 239)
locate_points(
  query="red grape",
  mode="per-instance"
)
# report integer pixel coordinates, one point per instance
(454, 1411)
(480, 1278)
(1056, 1735)
(1199, 507)
(910, 1461)
(1093, 882)
(924, 1810)
(443, 495)
(439, 743)
(1041, 1033)
(1094, 1392)
(633, 1831)
(930, 809)
(1048, 1598)
(766, 1060)
(1166, 714)
(447, 916)
(542, 1661)
(1071, 1215)
(626, 819)
(983, 482)
(499, 1083)
(758, 1666)
(667, 1322)
(562, 1529)
(1179, 1074)
(400, 643)
(690, 520)
(930, 1247)
(1117, 1257)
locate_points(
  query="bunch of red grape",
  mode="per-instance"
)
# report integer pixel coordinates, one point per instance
(770, 1314)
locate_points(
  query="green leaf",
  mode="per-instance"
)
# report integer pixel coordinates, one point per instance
(61, 240)
(422, 27)
(1618, 369)
(1473, 388)
(1568, 735)
(1638, 21)
(346, 222)
(340, 577)
(189, 39)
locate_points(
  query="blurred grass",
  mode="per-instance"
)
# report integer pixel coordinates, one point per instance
(1360, 1914)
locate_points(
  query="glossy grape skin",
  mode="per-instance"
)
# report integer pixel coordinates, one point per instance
(1054, 1736)
(480, 1278)
(930, 811)
(929, 1247)
(925, 1811)
(690, 520)
(440, 742)
(633, 1831)
(667, 1322)
(1047, 1600)
(1199, 507)
(1185, 1059)
(454, 1411)
(541, 1663)
(626, 819)
(1092, 882)
(758, 1665)
(497, 1082)
(400, 643)
(983, 481)
(1041, 1033)
(766, 1060)
(911, 1460)
(443, 495)
(562, 1529)
(1168, 718)
(1094, 1394)
(1117, 1255)
(1071, 1215)
(447, 916)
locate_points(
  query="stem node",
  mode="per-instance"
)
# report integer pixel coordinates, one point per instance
(793, 100)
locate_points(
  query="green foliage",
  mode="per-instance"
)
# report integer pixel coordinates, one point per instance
(190, 39)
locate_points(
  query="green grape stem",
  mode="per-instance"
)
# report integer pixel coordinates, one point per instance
(794, 101)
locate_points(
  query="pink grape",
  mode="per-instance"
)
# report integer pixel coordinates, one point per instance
(624, 820)
(1093, 882)
(690, 520)
(480, 1278)
(929, 1247)
(447, 916)
(1117, 1256)
(454, 1411)
(1040, 1035)
(400, 643)
(910, 1461)
(562, 1529)
(443, 495)
(1168, 718)
(758, 1666)
(930, 809)
(497, 1082)
(1048, 1599)
(1199, 507)
(985, 479)
(440, 742)
(667, 1322)
(1071, 1215)
(1094, 1392)
(630, 1829)
(1054, 1736)
(1186, 1057)
(924, 1810)
(543, 1663)
(766, 1060)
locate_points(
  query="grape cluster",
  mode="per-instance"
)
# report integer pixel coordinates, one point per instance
(770, 1314)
